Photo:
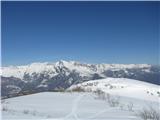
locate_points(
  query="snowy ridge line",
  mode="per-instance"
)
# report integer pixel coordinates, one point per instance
(122, 87)
(19, 71)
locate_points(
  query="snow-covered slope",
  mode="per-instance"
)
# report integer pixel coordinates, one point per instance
(70, 106)
(122, 87)
(124, 99)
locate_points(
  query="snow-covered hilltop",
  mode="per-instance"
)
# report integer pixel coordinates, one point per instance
(60, 75)
(121, 87)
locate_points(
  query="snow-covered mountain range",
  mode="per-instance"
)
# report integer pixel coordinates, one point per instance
(46, 76)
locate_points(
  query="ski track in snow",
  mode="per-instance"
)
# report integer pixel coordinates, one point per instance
(73, 113)
(97, 114)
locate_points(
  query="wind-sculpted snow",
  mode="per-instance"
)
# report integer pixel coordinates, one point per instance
(40, 77)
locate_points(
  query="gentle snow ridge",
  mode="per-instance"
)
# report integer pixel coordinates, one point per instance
(123, 87)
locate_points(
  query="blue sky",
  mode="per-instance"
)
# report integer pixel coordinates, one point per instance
(93, 32)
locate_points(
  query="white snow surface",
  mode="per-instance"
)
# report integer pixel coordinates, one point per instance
(123, 87)
(69, 106)
(84, 105)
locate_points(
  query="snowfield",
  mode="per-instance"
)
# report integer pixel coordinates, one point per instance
(127, 97)
(69, 106)
(123, 87)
